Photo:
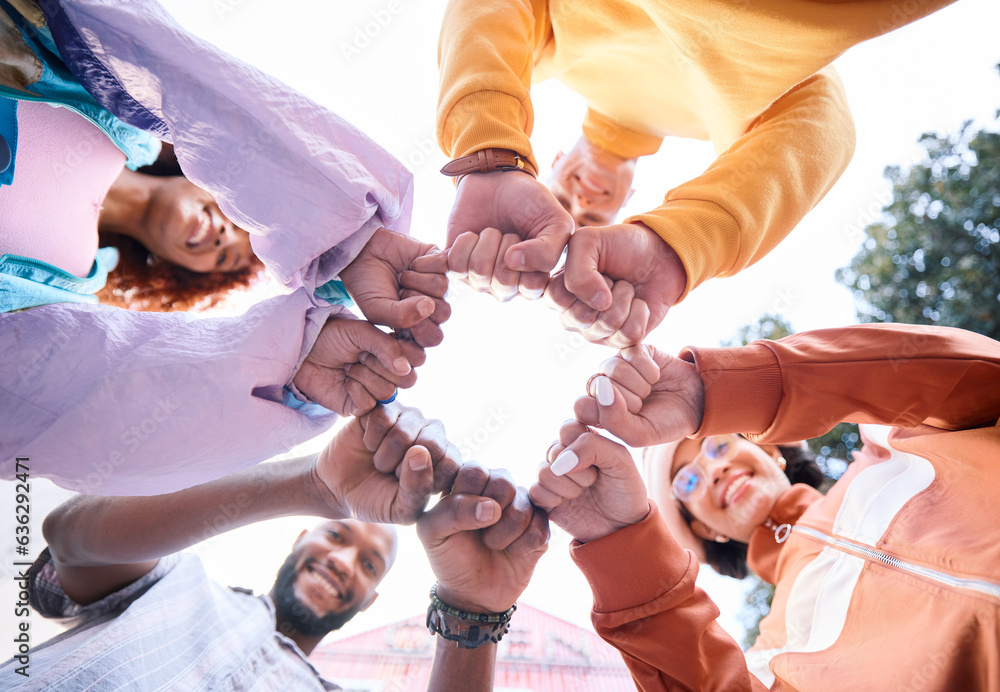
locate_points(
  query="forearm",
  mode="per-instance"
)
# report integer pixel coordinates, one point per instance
(110, 402)
(485, 56)
(93, 531)
(462, 670)
(801, 386)
(755, 193)
(664, 626)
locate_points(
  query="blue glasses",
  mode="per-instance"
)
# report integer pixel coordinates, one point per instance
(691, 482)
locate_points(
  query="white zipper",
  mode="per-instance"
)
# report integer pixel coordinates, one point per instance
(982, 587)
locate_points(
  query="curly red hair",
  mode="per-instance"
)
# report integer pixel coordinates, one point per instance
(143, 283)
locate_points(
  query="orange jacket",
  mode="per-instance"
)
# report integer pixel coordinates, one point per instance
(892, 580)
(749, 76)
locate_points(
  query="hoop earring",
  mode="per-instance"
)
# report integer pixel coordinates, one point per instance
(722, 539)
(781, 463)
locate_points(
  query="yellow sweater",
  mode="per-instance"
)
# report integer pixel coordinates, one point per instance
(751, 77)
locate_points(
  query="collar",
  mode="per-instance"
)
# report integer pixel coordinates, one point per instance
(767, 539)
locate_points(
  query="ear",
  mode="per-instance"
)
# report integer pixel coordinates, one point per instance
(628, 196)
(367, 605)
(559, 155)
(701, 530)
(771, 450)
(299, 537)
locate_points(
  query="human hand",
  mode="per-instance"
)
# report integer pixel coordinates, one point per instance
(483, 540)
(400, 282)
(512, 203)
(644, 397)
(618, 283)
(589, 485)
(383, 466)
(354, 364)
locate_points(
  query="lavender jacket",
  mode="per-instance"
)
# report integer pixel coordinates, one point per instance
(106, 401)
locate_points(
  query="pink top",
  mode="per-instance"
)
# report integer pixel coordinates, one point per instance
(65, 167)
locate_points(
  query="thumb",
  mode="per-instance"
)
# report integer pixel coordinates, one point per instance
(541, 252)
(399, 314)
(455, 513)
(582, 277)
(612, 409)
(367, 337)
(416, 481)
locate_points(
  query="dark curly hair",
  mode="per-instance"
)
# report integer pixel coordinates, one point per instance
(730, 559)
(143, 283)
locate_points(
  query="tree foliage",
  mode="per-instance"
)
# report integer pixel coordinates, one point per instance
(757, 604)
(934, 255)
(832, 452)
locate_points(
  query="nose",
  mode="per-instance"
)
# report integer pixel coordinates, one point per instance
(582, 200)
(227, 235)
(714, 470)
(343, 561)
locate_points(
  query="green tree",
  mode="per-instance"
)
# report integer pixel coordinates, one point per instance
(833, 453)
(767, 326)
(756, 605)
(933, 256)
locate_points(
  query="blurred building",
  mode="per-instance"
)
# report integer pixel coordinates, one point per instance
(542, 653)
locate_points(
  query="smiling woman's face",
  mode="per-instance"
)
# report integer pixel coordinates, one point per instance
(183, 225)
(742, 487)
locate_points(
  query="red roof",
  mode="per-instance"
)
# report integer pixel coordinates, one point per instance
(541, 653)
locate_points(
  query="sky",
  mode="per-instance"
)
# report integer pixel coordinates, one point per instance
(506, 375)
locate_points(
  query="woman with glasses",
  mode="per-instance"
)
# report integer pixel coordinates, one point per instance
(891, 580)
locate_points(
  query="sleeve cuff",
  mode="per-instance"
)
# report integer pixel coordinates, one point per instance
(633, 565)
(614, 137)
(485, 120)
(50, 601)
(683, 224)
(743, 388)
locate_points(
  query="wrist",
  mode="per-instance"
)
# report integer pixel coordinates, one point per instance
(613, 526)
(462, 601)
(467, 629)
(668, 263)
(488, 160)
(322, 500)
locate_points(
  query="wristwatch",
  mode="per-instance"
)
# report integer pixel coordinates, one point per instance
(487, 161)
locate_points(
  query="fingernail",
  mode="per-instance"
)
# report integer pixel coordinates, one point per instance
(484, 510)
(605, 392)
(600, 301)
(626, 355)
(515, 259)
(419, 462)
(401, 365)
(425, 306)
(564, 463)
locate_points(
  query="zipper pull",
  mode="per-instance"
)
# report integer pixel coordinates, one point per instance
(781, 531)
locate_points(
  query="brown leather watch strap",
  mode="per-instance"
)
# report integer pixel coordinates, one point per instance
(486, 161)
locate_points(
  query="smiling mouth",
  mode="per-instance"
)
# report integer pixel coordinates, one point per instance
(202, 232)
(591, 187)
(734, 488)
(326, 583)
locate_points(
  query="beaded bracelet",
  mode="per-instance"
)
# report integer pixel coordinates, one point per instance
(464, 632)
